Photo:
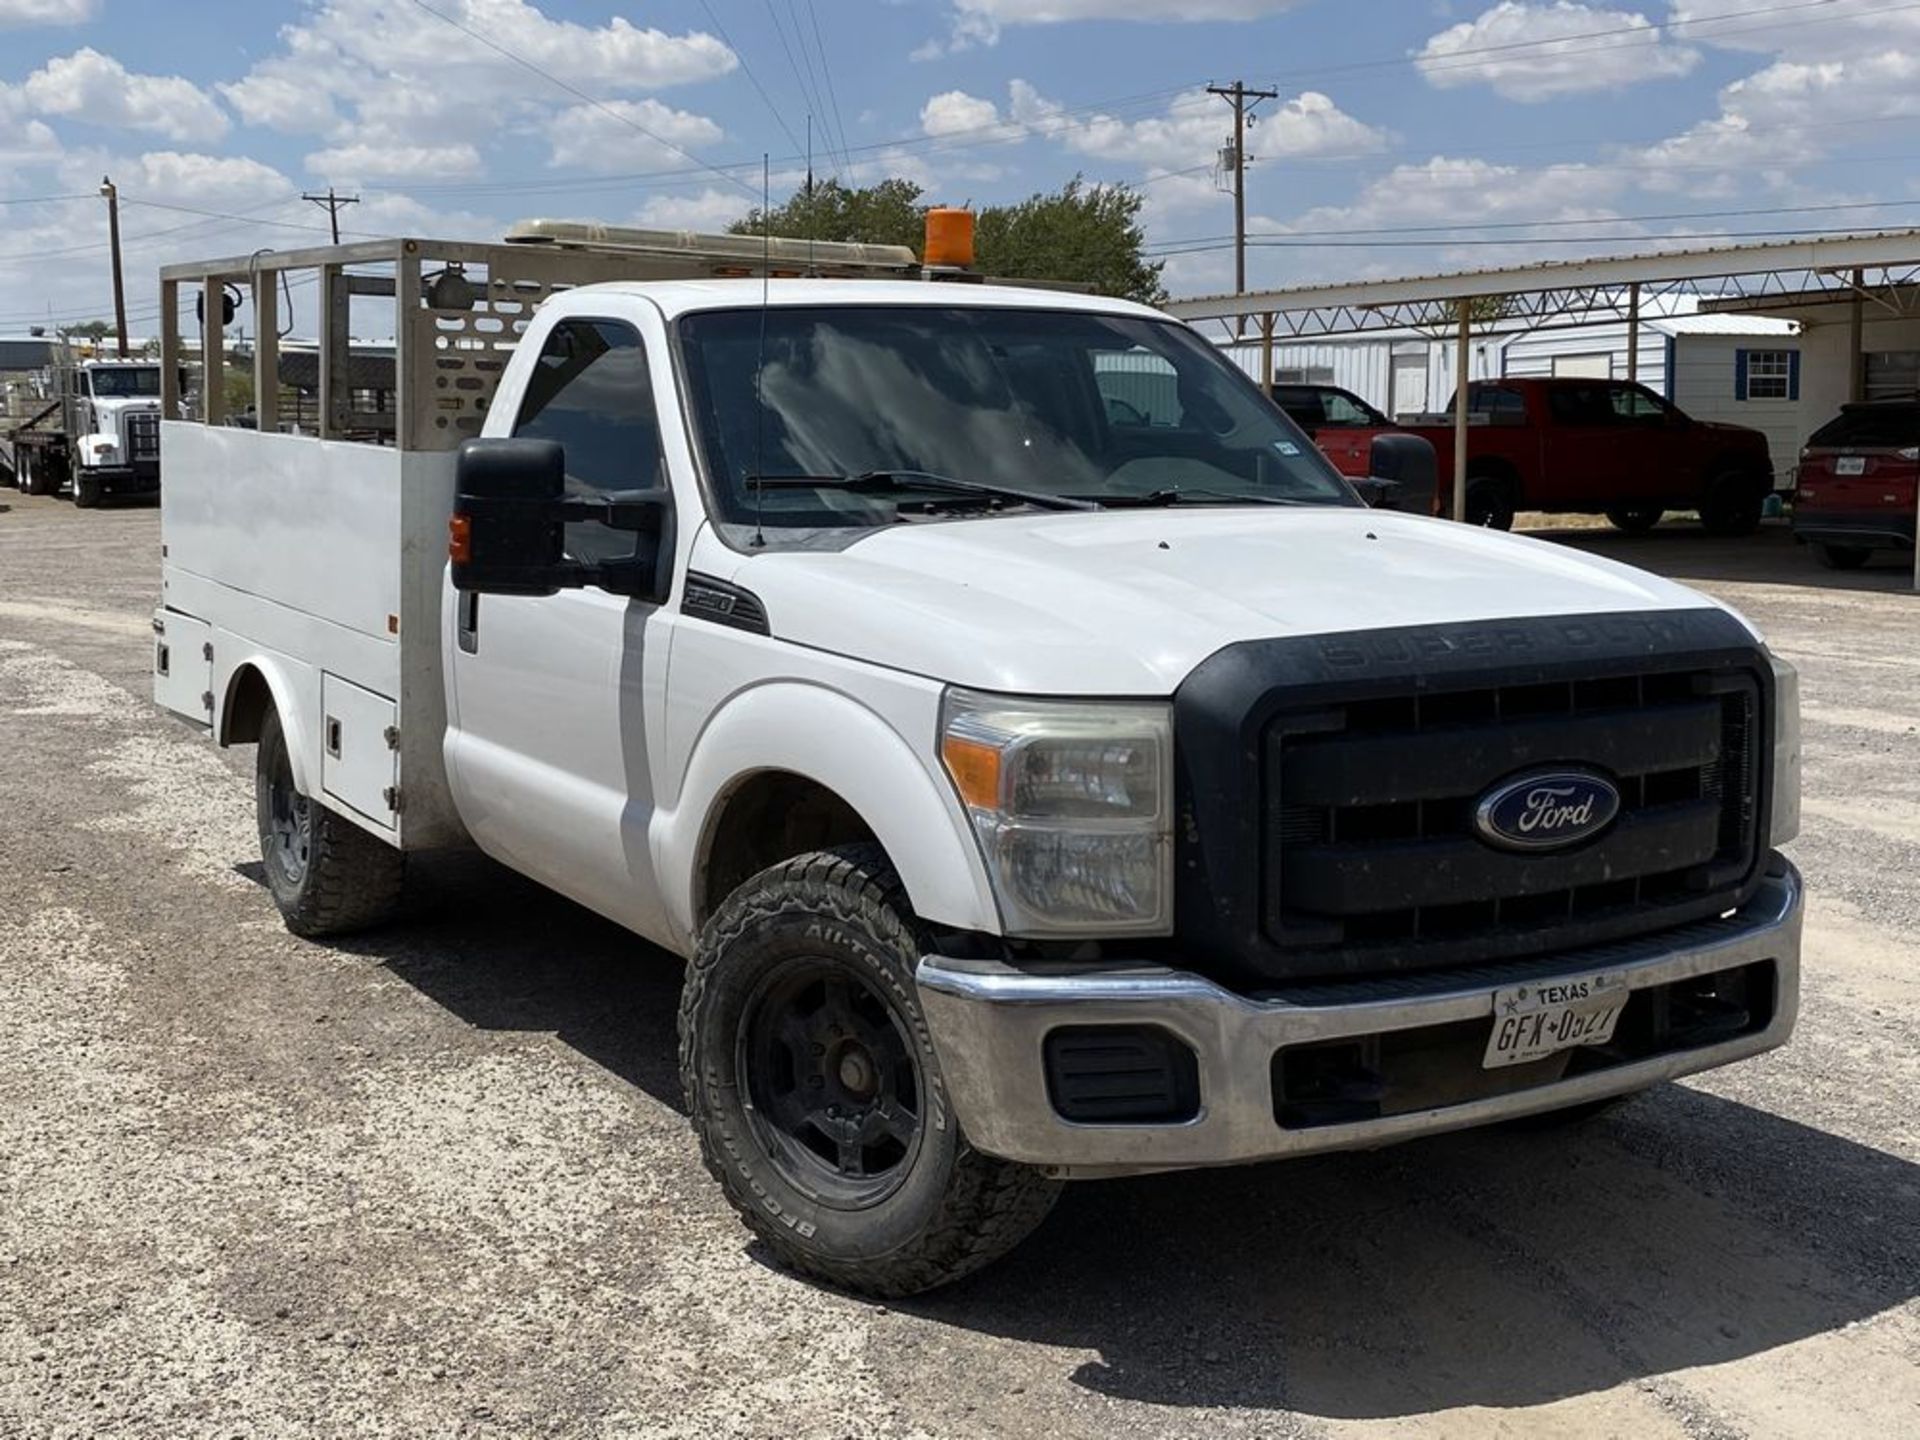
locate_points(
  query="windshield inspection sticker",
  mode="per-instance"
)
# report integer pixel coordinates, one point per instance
(1286, 447)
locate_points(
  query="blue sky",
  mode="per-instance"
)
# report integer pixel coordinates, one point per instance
(1408, 136)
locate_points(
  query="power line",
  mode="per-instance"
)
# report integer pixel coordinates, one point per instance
(833, 97)
(806, 94)
(753, 79)
(577, 92)
(1309, 243)
(1223, 240)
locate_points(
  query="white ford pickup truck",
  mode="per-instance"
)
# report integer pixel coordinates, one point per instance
(1046, 764)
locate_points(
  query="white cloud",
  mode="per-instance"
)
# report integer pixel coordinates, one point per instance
(978, 22)
(395, 162)
(381, 61)
(956, 112)
(99, 89)
(1190, 131)
(708, 211)
(1538, 51)
(592, 138)
(211, 180)
(45, 12)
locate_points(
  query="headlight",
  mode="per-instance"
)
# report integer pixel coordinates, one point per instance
(1786, 751)
(1072, 803)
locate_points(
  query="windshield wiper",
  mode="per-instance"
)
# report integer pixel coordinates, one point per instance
(1174, 497)
(871, 482)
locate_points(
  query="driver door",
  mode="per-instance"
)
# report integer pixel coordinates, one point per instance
(555, 698)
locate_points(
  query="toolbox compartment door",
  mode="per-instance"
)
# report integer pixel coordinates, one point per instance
(183, 665)
(359, 758)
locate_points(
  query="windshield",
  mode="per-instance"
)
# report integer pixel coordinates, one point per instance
(1098, 408)
(132, 381)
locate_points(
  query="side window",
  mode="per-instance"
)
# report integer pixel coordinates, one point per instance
(592, 392)
(1581, 405)
(1500, 405)
(1343, 409)
(1634, 406)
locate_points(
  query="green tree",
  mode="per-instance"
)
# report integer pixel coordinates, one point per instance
(1083, 234)
(92, 329)
(888, 213)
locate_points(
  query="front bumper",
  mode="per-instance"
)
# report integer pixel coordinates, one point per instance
(990, 1020)
(140, 478)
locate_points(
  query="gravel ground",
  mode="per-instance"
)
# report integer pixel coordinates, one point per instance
(437, 1181)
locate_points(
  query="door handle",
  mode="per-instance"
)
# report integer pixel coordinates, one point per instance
(467, 622)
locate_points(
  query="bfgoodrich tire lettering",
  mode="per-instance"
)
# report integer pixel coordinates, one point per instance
(938, 1209)
(327, 875)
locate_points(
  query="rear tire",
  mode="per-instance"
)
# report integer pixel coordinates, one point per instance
(814, 1087)
(1841, 557)
(327, 875)
(87, 492)
(1733, 506)
(1635, 519)
(34, 474)
(1490, 502)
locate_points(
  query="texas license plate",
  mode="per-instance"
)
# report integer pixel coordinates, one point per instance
(1535, 1020)
(1850, 465)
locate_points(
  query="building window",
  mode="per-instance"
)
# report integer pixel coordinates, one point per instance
(1303, 375)
(1766, 375)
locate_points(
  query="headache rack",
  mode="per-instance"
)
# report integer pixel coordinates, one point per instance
(454, 308)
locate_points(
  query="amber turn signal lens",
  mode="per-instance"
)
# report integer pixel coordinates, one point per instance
(975, 768)
(459, 539)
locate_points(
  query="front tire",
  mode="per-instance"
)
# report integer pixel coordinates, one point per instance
(87, 492)
(812, 1082)
(328, 877)
(1635, 519)
(1490, 503)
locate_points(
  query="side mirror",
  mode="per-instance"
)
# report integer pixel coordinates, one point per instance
(1405, 475)
(507, 535)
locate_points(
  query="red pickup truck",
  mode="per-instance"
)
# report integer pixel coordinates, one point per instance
(1596, 447)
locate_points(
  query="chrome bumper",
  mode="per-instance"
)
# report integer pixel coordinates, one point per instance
(989, 1019)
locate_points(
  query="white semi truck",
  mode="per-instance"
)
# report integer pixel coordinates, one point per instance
(88, 422)
(1046, 765)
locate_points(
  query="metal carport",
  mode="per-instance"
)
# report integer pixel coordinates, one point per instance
(1838, 268)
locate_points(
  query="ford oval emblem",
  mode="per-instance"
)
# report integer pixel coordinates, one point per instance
(1547, 810)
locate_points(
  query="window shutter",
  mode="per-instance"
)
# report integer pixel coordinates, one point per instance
(1793, 375)
(1740, 374)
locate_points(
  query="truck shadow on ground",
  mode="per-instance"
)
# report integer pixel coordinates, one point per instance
(1679, 551)
(1495, 1268)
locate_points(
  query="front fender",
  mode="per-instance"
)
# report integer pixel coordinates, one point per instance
(828, 738)
(100, 449)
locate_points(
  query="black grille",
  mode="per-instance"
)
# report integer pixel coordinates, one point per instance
(143, 435)
(1372, 853)
(1327, 785)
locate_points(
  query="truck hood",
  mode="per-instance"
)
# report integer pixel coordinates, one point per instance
(1129, 602)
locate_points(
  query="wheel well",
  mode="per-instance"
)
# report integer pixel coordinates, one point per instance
(766, 818)
(248, 701)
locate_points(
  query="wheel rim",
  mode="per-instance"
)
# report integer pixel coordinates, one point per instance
(289, 827)
(833, 1086)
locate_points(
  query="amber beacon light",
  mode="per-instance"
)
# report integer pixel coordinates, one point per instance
(949, 237)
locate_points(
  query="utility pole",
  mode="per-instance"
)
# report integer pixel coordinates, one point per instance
(1243, 100)
(332, 204)
(112, 194)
